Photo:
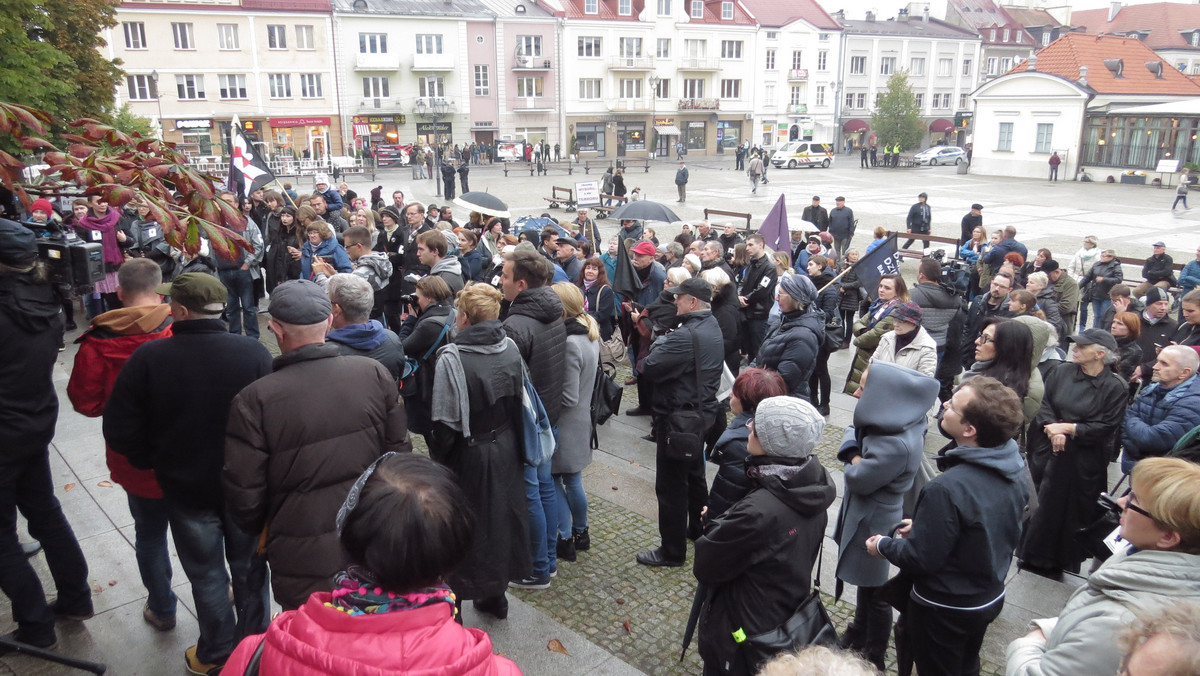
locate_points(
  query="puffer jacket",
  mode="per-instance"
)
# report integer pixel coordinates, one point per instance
(758, 558)
(867, 333)
(1047, 302)
(889, 433)
(1158, 418)
(1081, 640)
(1111, 272)
(938, 307)
(919, 355)
(729, 455)
(534, 323)
(672, 363)
(791, 348)
(103, 350)
(316, 640)
(290, 459)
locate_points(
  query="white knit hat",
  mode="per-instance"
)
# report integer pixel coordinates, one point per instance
(788, 427)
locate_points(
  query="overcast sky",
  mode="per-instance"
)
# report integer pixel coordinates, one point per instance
(856, 9)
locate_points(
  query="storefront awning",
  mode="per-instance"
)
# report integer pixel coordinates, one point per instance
(362, 130)
(852, 126)
(941, 125)
(667, 129)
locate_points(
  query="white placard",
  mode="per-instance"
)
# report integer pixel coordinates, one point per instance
(587, 193)
(1167, 166)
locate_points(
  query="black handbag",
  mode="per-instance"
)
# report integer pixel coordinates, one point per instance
(835, 333)
(684, 429)
(809, 625)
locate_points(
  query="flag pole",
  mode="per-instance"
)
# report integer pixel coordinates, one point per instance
(840, 275)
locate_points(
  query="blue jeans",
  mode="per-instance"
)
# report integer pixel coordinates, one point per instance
(543, 518)
(572, 504)
(150, 544)
(205, 540)
(241, 306)
(1099, 307)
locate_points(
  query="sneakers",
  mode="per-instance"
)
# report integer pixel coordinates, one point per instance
(195, 666)
(583, 541)
(154, 620)
(532, 582)
(74, 614)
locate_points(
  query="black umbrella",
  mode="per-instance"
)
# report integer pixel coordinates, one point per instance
(626, 281)
(484, 203)
(642, 210)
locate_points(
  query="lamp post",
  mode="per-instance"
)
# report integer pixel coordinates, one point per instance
(437, 109)
(654, 80)
(162, 128)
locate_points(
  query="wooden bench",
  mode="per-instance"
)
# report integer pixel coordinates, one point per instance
(603, 211)
(560, 196)
(952, 250)
(708, 213)
(620, 163)
(533, 166)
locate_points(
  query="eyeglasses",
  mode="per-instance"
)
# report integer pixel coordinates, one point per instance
(1130, 506)
(984, 339)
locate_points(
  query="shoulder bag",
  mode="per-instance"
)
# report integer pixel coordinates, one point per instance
(809, 625)
(684, 429)
(408, 372)
(537, 433)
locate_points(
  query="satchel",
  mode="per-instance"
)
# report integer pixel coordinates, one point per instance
(684, 429)
(606, 398)
(408, 370)
(537, 434)
(809, 625)
(835, 333)
(613, 350)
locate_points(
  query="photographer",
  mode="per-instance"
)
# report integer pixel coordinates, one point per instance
(426, 312)
(45, 222)
(30, 328)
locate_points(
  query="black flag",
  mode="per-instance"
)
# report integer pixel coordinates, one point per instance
(882, 260)
(247, 168)
(626, 281)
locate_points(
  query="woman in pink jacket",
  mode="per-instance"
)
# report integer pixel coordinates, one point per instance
(404, 525)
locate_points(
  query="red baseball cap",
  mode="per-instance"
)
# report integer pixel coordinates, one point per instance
(645, 249)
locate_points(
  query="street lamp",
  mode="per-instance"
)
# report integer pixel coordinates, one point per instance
(162, 129)
(435, 113)
(654, 80)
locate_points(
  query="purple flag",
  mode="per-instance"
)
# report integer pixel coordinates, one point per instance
(774, 229)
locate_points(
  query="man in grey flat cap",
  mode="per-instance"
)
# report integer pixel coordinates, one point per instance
(297, 440)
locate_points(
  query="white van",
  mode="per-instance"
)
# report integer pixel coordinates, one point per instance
(803, 154)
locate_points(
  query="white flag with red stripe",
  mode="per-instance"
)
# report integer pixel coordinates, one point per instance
(247, 168)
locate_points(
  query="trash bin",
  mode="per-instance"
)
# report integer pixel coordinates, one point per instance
(962, 168)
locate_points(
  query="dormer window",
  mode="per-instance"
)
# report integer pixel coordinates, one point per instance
(1195, 39)
(727, 11)
(1006, 34)
(1046, 36)
(993, 39)
(625, 7)
(591, 6)
(697, 9)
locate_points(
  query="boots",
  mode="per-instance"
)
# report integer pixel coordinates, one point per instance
(583, 541)
(566, 549)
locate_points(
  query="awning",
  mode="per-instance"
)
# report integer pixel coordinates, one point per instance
(941, 125)
(362, 130)
(667, 129)
(852, 126)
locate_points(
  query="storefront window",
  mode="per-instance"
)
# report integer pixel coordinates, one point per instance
(695, 134)
(590, 137)
(531, 134)
(1140, 142)
(632, 135)
(201, 139)
(729, 134)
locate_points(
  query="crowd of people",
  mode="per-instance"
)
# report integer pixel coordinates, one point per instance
(488, 345)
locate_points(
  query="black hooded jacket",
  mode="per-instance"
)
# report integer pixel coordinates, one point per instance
(30, 328)
(533, 322)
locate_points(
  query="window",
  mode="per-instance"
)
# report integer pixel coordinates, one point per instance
(795, 96)
(823, 37)
(849, 101)
(624, 7)
(727, 11)
(183, 35)
(276, 36)
(372, 43)
(772, 35)
(962, 101)
(375, 87)
(887, 65)
(189, 87)
(591, 6)
(310, 86)
(1181, 66)
(664, 48)
(693, 88)
(916, 66)
(695, 48)
(731, 49)
(1020, 36)
(769, 94)
(993, 35)
(631, 88)
(304, 37)
(664, 7)
(1005, 64)
(429, 44)
(878, 98)
(992, 64)
(937, 101)
(1196, 68)
(770, 59)
(663, 89)
(529, 87)
(862, 100)
(966, 67)
(1007, 34)
(232, 86)
(141, 88)
(437, 89)
(135, 34)
(858, 65)
(797, 59)
(482, 81)
(1004, 140)
(920, 100)
(945, 67)
(227, 36)
(630, 48)
(589, 47)
(1045, 134)
(280, 84)
(823, 60)
(527, 45)
(1047, 34)
(589, 89)
(590, 137)
(819, 95)
(731, 89)
(697, 9)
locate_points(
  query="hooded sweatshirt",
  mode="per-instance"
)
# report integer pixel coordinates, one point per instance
(371, 340)
(449, 270)
(374, 267)
(966, 526)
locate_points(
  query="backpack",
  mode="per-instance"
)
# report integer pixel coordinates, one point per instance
(606, 398)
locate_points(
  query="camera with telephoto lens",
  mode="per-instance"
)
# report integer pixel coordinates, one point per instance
(70, 262)
(409, 299)
(956, 273)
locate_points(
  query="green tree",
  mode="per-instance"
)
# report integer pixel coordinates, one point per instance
(126, 121)
(897, 117)
(29, 67)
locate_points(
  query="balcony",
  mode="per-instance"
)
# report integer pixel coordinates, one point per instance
(799, 109)
(376, 103)
(797, 74)
(435, 62)
(630, 63)
(388, 62)
(699, 104)
(433, 106)
(533, 104)
(630, 105)
(699, 63)
(530, 63)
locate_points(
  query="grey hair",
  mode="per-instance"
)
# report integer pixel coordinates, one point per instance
(1187, 357)
(678, 275)
(716, 277)
(818, 661)
(1110, 356)
(1179, 623)
(353, 294)
(675, 249)
(715, 246)
(1038, 277)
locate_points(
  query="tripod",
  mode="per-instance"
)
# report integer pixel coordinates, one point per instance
(26, 649)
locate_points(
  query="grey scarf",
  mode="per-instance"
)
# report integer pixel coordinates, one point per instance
(451, 402)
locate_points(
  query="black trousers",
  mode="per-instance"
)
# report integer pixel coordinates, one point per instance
(870, 630)
(682, 491)
(946, 642)
(819, 383)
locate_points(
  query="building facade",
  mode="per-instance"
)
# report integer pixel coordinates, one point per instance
(1171, 29)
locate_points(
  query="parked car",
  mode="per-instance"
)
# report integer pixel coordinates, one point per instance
(941, 155)
(803, 154)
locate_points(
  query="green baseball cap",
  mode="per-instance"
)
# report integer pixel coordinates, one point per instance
(196, 291)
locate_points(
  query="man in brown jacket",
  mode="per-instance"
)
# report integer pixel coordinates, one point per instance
(297, 440)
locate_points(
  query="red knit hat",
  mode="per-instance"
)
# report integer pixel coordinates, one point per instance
(42, 204)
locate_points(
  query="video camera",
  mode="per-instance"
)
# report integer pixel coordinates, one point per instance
(70, 261)
(956, 272)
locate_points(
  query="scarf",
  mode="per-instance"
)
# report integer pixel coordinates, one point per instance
(903, 341)
(356, 593)
(106, 225)
(587, 286)
(451, 402)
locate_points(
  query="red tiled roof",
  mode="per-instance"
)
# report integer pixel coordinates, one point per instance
(712, 14)
(774, 13)
(573, 9)
(1064, 56)
(1163, 20)
(1031, 16)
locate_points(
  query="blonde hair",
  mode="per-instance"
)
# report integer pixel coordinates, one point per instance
(1169, 488)
(369, 214)
(1178, 623)
(817, 661)
(783, 258)
(479, 302)
(306, 214)
(716, 278)
(572, 302)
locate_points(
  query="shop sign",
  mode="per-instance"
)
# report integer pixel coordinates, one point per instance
(378, 119)
(298, 121)
(695, 125)
(434, 127)
(193, 124)
(660, 121)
